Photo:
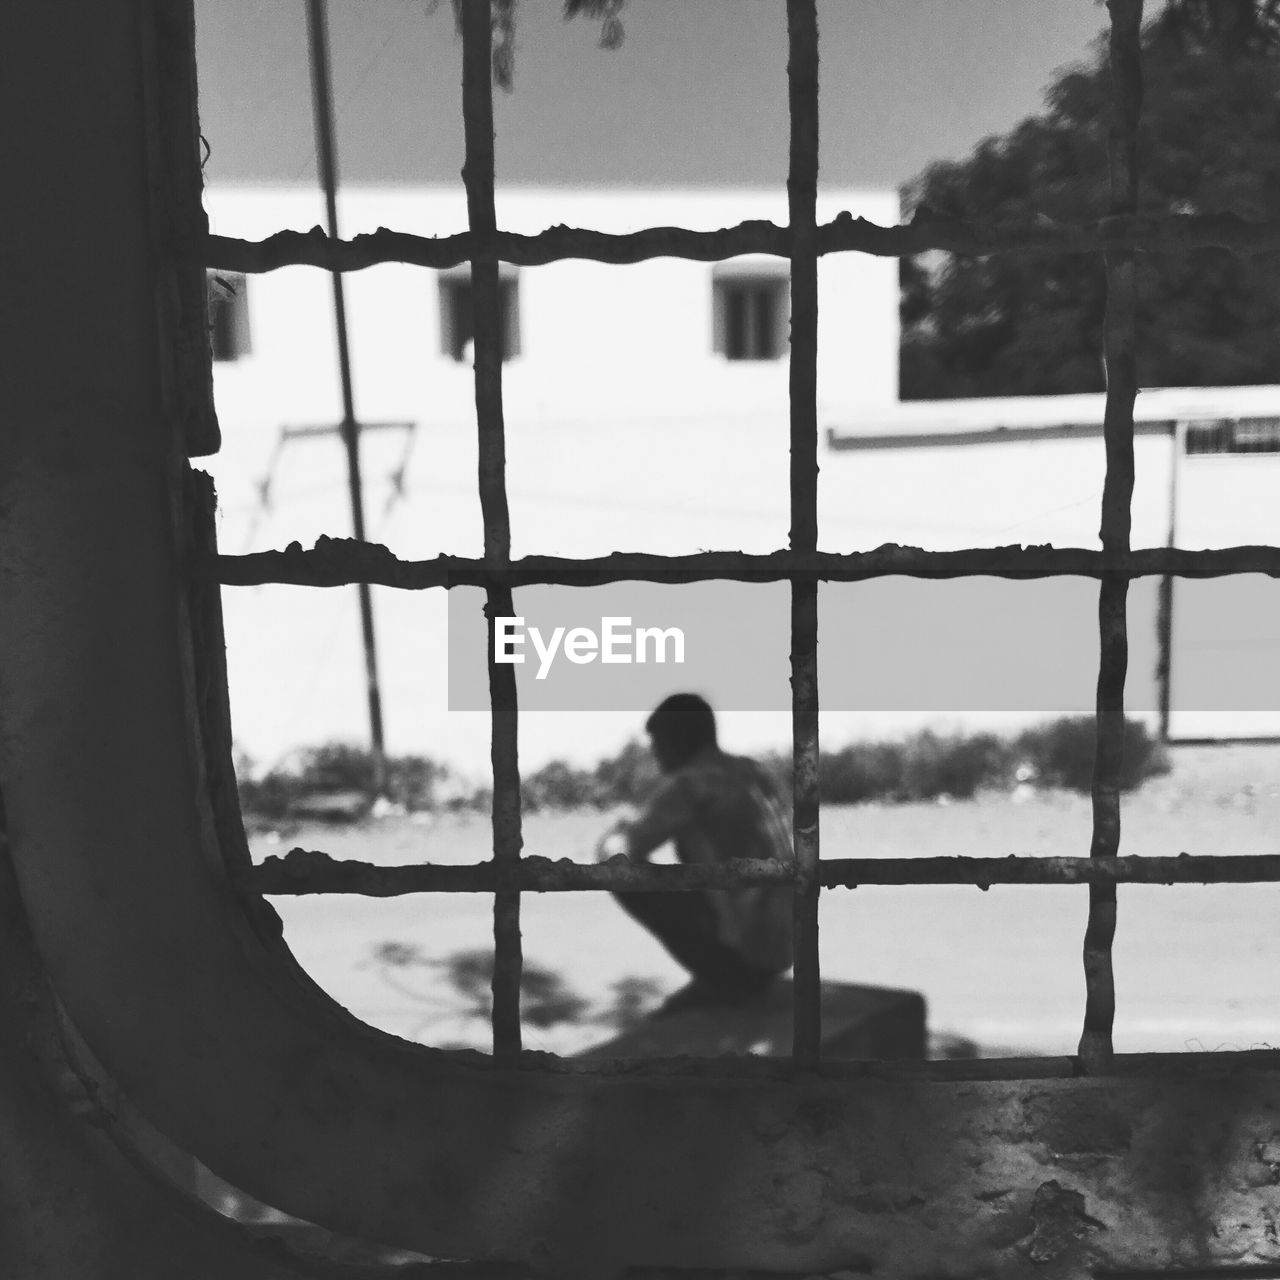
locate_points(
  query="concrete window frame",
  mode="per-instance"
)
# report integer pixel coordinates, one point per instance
(230, 334)
(132, 873)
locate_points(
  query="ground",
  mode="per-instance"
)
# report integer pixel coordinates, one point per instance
(1193, 963)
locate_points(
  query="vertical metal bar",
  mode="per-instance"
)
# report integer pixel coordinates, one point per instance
(322, 102)
(1164, 615)
(1096, 1047)
(802, 190)
(1164, 652)
(477, 174)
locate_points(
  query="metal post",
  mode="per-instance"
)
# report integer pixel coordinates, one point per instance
(322, 101)
(1164, 614)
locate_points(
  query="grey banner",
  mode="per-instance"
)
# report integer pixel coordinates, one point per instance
(892, 644)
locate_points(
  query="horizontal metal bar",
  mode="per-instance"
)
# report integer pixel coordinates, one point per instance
(1184, 868)
(925, 232)
(337, 562)
(308, 871)
(314, 248)
(926, 439)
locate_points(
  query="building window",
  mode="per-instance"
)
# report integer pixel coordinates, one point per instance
(1234, 435)
(457, 315)
(750, 314)
(228, 298)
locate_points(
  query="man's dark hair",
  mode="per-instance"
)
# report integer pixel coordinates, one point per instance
(684, 723)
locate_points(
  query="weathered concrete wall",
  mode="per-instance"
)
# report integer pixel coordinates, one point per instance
(72, 1207)
(187, 1000)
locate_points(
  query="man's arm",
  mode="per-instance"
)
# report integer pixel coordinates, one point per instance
(667, 814)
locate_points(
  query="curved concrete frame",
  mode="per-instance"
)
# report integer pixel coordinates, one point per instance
(191, 1009)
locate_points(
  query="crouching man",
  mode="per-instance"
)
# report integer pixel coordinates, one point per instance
(713, 807)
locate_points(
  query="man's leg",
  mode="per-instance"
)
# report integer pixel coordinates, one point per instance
(686, 926)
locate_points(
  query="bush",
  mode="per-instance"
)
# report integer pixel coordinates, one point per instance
(558, 785)
(862, 771)
(627, 778)
(338, 766)
(924, 766)
(927, 765)
(1062, 753)
(268, 797)
(958, 766)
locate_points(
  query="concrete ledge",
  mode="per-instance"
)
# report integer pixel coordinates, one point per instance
(857, 1022)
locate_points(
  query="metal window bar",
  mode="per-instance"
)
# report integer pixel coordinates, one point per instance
(1170, 233)
(802, 196)
(335, 562)
(308, 871)
(338, 561)
(1119, 345)
(478, 176)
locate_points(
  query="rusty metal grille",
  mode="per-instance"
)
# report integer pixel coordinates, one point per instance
(1119, 237)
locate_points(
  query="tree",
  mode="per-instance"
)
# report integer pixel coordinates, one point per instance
(1224, 25)
(1022, 325)
(607, 12)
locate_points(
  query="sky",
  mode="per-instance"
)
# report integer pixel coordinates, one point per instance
(696, 94)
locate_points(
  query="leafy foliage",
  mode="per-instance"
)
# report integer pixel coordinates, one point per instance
(503, 26)
(1062, 754)
(607, 11)
(628, 777)
(927, 765)
(922, 767)
(859, 772)
(1230, 26)
(1019, 325)
(338, 766)
(558, 785)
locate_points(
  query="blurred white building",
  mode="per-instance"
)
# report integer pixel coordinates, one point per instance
(646, 409)
(1030, 470)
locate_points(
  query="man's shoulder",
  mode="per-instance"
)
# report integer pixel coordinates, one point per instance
(674, 794)
(750, 770)
(710, 764)
(719, 772)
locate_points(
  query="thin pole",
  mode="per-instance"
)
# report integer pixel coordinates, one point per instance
(322, 101)
(1164, 615)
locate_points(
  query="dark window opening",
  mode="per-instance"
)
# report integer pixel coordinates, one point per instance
(750, 315)
(228, 301)
(1234, 435)
(457, 317)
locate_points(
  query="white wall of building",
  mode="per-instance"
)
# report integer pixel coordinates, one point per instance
(1226, 632)
(625, 431)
